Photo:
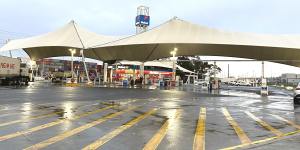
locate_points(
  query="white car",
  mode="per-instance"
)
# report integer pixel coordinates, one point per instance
(297, 95)
(232, 83)
(242, 83)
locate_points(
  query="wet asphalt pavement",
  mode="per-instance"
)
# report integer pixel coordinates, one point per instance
(55, 117)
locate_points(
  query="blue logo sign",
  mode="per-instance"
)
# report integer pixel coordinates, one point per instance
(142, 20)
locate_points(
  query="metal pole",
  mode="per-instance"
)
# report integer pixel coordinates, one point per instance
(105, 73)
(85, 68)
(174, 68)
(142, 74)
(72, 69)
(134, 74)
(77, 73)
(228, 71)
(214, 69)
(174, 71)
(97, 75)
(110, 75)
(262, 69)
(215, 81)
(31, 74)
(116, 72)
(43, 69)
(10, 54)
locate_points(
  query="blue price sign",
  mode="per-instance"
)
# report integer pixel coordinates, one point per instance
(142, 20)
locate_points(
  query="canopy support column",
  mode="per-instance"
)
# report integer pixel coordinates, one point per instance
(105, 73)
(85, 68)
(174, 70)
(264, 87)
(111, 75)
(262, 69)
(142, 74)
(134, 73)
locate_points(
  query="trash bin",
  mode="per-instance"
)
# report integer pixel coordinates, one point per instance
(161, 83)
(125, 82)
(167, 83)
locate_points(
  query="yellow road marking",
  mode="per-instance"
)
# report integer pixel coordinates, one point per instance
(98, 143)
(10, 114)
(24, 111)
(264, 124)
(49, 114)
(76, 130)
(239, 131)
(287, 121)
(199, 139)
(160, 134)
(7, 113)
(262, 141)
(30, 118)
(47, 125)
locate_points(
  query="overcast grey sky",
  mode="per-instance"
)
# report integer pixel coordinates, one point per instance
(21, 18)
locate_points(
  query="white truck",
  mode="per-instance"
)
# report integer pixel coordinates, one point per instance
(13, 72)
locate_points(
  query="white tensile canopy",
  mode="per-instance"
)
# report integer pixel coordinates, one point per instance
(191, 39)
(59, 42)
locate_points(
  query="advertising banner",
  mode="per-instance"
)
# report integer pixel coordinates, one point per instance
(9, 66)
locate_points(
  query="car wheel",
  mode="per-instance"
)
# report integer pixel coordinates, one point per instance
(296, 101)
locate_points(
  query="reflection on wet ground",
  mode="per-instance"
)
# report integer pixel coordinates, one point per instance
(107, 118)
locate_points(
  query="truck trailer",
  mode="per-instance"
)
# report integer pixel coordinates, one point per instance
(13, 71)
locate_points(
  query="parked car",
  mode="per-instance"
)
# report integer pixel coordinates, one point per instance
(242, 83)
(297, 95)
(232, 83)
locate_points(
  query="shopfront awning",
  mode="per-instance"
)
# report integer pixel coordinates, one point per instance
(164, 64)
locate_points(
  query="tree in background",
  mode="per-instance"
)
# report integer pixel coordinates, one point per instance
(196, 65)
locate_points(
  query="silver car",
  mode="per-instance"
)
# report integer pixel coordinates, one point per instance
(297, 95)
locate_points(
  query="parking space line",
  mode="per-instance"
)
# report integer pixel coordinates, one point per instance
(161, 133)
(262, 141)
(72, 132)
(239, 131)
(199, 139)
(30, 118)
(47, 125)
(264, 124)
(98, 143)
(33, 111)
(287, 121)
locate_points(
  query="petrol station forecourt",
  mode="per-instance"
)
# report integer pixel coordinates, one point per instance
(186, 117)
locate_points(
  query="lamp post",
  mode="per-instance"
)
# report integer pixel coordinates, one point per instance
(31, 63)
(173, 53)
(72, 51)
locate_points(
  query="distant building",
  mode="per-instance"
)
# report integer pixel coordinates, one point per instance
(290, 78)
(55, 65)
(274, 80)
